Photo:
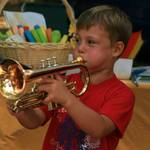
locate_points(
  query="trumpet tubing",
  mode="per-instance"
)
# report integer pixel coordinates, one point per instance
(14, 81)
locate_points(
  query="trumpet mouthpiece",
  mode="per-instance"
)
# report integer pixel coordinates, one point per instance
(78, 60)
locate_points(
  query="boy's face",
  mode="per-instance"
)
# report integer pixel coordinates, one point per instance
(94, 46)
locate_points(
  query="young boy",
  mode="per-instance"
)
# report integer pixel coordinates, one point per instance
(99, 118)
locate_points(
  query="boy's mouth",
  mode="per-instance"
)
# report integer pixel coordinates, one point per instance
(83, 59)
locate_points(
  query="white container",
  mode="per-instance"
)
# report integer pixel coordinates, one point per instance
(123, 68)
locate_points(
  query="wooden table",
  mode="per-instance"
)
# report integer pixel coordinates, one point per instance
(15, 137)
(137, 136)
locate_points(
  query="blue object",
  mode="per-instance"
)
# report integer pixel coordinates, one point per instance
(36, 26)
(20, 26)
(28, 35)
(135, 74)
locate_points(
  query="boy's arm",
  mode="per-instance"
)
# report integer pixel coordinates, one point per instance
(88, 120)
(30, 118)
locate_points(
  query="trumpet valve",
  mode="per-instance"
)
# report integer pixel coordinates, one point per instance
(42, 63)
(54, 61)
(48, 60)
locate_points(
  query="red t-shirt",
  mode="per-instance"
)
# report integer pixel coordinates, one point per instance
(111, 98)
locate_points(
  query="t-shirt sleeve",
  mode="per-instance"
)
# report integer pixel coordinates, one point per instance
(119, 108)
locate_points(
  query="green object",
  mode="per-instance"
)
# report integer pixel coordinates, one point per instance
(56, 36)
(35, 35)
(3, 36)
(41, 35)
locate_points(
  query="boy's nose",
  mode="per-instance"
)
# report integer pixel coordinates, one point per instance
(81, 48)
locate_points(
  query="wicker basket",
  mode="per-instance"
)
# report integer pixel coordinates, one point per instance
(32, 53)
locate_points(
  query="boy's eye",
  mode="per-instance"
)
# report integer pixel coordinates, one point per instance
(91, 42)
(88, 42)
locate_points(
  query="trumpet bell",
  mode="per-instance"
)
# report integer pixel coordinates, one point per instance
(12, 79)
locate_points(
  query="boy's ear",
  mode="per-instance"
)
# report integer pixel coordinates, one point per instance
(118, 48)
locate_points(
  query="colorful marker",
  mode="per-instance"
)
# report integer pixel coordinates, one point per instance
(64, 39)
(48, 34)
(40, 34)
(29, 36)
(35, 35)
(56, 36)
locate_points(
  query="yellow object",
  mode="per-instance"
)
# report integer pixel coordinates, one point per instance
(72, 26)
(9, 33)
(2, 4)
(44, 32)
(71, 16)
(64, 39)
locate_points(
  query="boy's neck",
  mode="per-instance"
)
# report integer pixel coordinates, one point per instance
(99, 77)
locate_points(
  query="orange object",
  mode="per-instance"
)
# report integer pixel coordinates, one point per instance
(131, 43)
(21, 31)
(137, 47)
(26, 27)
(48, 34)
(14, 29)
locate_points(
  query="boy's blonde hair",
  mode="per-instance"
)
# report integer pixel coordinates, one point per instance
(112, 19)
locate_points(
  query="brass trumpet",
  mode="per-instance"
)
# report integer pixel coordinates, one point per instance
(15, 87)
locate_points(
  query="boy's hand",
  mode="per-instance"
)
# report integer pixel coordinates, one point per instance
(56, 89)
